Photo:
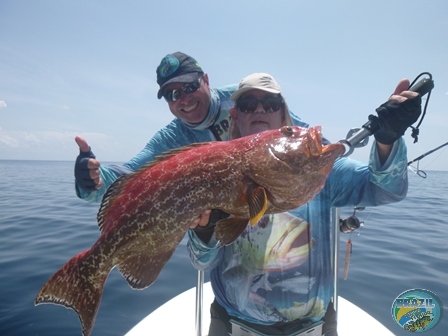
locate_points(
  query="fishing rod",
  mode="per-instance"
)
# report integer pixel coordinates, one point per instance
(416, 170)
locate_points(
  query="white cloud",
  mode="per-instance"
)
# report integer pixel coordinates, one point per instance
(2, 104)
(8, 140)
(30, 140)
(48, 145)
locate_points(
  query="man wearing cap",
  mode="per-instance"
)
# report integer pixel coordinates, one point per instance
(276, 278)
(202, 114)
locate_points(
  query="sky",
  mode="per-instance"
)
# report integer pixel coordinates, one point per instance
(87, 67)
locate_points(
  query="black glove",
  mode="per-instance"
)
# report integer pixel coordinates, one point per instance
(394, 118)
(205, 232)
(82, 173)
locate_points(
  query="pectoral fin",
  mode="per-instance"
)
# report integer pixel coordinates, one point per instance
(229, 229)
(258, 202)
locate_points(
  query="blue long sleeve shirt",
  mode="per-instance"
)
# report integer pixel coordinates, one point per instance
(280, 269)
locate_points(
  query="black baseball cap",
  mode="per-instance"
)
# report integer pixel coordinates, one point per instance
(177, 68)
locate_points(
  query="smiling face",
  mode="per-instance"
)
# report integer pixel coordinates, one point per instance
(259, 120)
(193, 107)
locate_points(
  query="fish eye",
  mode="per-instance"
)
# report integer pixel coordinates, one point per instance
(287, 130)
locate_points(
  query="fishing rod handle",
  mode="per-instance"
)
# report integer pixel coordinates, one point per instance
(422, 87)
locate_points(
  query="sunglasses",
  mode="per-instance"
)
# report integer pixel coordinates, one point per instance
(175, 94)
(269, 104)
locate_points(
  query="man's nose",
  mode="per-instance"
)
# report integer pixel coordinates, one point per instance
(259, 109)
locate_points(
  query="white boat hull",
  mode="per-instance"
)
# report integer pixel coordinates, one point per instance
(177, 317)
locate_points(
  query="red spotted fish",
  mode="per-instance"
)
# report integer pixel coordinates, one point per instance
(144, 215)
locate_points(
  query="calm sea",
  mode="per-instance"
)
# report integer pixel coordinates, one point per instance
(43, 224)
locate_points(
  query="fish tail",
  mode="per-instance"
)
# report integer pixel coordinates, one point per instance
(76, 286)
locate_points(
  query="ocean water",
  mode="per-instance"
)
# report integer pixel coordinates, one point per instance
(43, 224)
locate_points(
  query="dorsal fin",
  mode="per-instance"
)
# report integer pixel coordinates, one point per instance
(116, 188)
(168, 154)
(110, 197)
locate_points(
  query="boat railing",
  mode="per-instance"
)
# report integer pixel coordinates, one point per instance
(199, 303)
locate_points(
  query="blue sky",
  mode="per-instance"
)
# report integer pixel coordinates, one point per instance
(88, 67)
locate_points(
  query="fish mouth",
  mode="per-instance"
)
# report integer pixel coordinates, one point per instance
(337, 149)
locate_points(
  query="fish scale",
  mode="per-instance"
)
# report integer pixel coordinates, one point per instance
(144, 215)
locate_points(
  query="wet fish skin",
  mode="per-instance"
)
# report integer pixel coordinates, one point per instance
(144, 215)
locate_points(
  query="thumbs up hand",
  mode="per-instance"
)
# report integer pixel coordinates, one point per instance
(87, 172)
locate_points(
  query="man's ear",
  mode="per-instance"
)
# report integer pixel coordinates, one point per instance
(233, 113)
(205, 79)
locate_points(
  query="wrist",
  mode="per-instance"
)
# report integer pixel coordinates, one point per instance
(384, 151)
(205, 233)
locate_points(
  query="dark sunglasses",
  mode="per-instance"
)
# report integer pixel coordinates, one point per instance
(175, 94)
(269, 104)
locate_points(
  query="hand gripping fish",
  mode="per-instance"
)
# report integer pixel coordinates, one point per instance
(144, 215)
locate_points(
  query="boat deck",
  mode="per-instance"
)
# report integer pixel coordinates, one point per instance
(352, 320)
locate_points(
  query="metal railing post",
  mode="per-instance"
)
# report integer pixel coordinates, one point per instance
(199, 303)
(335, 217)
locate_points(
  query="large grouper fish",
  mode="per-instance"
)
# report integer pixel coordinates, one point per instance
(144, 215)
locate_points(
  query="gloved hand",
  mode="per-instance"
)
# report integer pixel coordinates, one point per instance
(395, 117)
(205, 232)
(86, 173)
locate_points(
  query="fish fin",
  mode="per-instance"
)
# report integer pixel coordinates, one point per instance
(112, 194)
(258, 202)
(76, 286)
(140, 271)
(172, 152)
(229, 229)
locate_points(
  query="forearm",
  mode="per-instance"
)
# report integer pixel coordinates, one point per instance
(353, 183)
(390, 175)
(203, 256)
(383, 152)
